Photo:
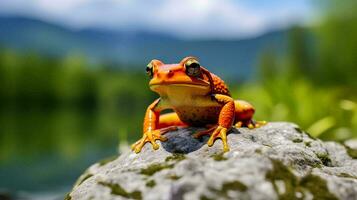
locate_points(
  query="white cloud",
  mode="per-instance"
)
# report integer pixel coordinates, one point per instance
(185, 18)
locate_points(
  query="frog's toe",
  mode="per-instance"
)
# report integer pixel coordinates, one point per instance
(219, 132)
(251, 124)
(137, 146)
(256, 124)
(133, 146)
(239, 124)
(150, 136)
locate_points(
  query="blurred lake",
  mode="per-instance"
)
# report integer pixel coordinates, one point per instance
(69, 98)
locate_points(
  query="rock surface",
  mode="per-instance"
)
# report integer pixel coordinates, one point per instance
(276, 161)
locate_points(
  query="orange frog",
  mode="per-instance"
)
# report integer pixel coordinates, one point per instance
(197, 98)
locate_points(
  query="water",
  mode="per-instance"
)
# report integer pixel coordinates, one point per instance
(43, 152)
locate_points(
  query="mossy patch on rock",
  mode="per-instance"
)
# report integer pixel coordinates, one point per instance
(351, 152)
(83, 178)
(294, 185)
(308, 144)
(175, 157)
(304, 132)
(204, 197)
(281, 173)
(234, 185)
(325, 159)
(226, 187)
(150, 183)
(116, 189)
(318, 187)
(297, 140)
(258, 151)
(345, 175)
(298, 130)
(219, 157)
(173, 177)
(67, 197)
(168, 164)
(156, 167)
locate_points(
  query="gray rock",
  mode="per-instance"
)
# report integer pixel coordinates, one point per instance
(276, 161)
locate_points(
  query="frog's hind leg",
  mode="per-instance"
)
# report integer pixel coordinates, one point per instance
(244, 112)
(169, 121)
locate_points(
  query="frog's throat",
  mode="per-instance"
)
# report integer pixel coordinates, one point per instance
(174, 89)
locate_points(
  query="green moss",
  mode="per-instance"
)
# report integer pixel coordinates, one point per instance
(298, 130)
(297, 140)
(204, 197)
(175, 157)
(281, 173)
(301, 131)
(150, 183)
(87, 176)
(351, 152)
(174, 177)
(152, 169)
(234, 185)
(325, 159)
(258, 151)
(107, 160)
(118, 190)
(219, 157)
(229, 186)
(314, 184)
(318, 187)
(345, 175)
(308, 144)
(67, 197)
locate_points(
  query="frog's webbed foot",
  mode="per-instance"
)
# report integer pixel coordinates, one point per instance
(219, 132)
(250, 124)
(152, 136)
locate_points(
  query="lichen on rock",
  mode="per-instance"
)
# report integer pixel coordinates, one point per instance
(276, 161)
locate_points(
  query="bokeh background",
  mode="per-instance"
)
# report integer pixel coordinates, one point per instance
(73, 88)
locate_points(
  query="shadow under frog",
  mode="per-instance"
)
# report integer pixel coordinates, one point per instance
(182, 140)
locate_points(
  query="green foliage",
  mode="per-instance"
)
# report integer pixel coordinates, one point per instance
(60, 105)
(313, 84)
(337, 47)
(320, 111)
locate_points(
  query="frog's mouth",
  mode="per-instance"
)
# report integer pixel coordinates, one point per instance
(177, 83)
(201, 84)
(178, 87)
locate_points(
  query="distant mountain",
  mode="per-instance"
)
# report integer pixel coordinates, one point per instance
(230, 58)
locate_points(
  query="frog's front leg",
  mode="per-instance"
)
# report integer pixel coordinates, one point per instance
(150, 128)
(225, 121)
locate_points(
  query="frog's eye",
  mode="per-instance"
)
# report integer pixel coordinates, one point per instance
(193, 67)
(150, 70)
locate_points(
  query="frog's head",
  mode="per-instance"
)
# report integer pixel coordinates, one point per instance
(187, 75)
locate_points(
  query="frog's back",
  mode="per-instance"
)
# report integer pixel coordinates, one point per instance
(219, 86)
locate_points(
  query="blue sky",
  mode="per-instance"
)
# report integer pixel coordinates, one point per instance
(183, 18)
